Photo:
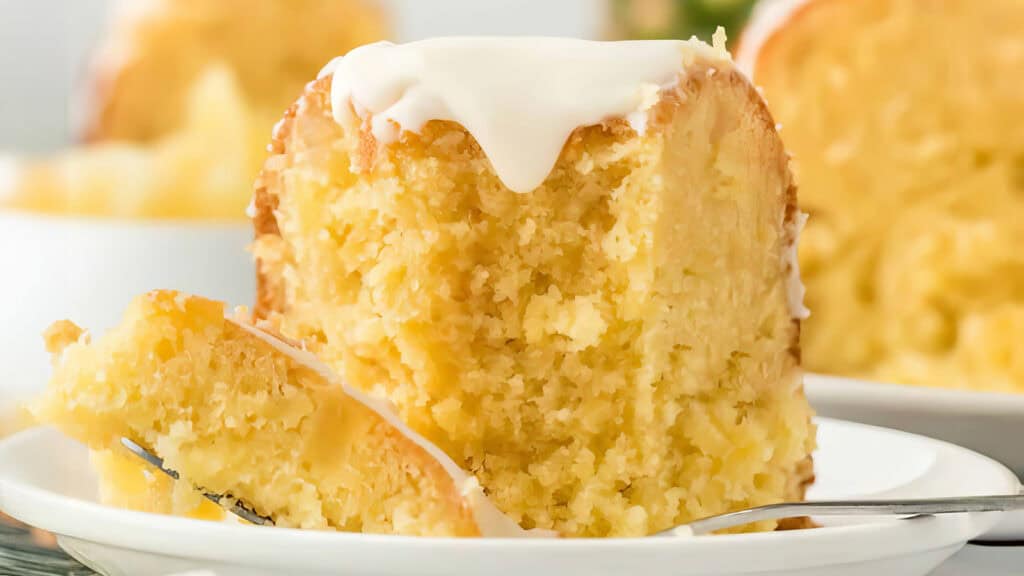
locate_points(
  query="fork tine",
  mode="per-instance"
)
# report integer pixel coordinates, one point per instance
(237, 508)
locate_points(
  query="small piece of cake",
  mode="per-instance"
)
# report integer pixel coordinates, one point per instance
(567, 263)
(903, 116)
(156, 49)
(238, 411)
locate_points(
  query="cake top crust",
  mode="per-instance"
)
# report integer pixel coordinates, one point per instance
(520, 97)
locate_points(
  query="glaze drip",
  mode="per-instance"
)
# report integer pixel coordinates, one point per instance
(520, 98)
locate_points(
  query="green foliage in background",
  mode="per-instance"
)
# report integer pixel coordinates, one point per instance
(650, 19)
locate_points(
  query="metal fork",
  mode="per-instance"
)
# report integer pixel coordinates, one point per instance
(913, 508)
(237, 508)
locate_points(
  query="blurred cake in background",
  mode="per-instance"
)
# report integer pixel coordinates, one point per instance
(157, 49)
(904, 117)
(203, 169)
(650, 19)
(184, 95)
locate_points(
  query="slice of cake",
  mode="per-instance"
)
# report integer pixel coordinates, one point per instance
(567, 263)
(238, 411)
(902, 116)
(156, 49)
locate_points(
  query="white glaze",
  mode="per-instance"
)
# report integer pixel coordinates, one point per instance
(795, 290)
(488, 86)
(520, 98)
(491, 521)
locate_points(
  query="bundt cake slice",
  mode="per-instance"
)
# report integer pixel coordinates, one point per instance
(567, 263)
(236, 410)
(903, 119)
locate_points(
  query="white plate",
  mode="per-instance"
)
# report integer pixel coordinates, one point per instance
(987, 422)
(89, 269)
(45, 480)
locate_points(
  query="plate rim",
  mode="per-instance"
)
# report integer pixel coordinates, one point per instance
(855, 392)
(877, 539)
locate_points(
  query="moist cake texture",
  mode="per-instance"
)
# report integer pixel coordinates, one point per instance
(238, 411)
(612, 350)
(903, 119)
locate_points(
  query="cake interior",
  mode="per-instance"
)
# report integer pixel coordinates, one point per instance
(235, 415)
(901, 115)
(611, 353)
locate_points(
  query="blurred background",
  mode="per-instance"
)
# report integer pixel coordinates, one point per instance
(131, 132)
(45, 45)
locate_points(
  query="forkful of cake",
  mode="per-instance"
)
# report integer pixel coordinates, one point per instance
(904, 508)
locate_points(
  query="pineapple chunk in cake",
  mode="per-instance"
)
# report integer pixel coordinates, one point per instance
(612, 350)
(238, 411)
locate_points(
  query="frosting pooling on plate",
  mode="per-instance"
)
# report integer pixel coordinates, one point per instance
(520, 98)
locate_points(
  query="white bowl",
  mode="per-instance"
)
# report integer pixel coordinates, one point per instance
(45, 480)
(88, 269)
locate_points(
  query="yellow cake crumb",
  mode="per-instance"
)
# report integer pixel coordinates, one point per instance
(62, 334)
(611, 353)
(236, 412)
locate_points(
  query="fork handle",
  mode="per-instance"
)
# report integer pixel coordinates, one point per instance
(921, 507)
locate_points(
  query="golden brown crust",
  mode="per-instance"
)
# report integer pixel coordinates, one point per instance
(270, 288)
(805, 477)
(798, 523)
(770, 43)
(805, 470)
(792, 210)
